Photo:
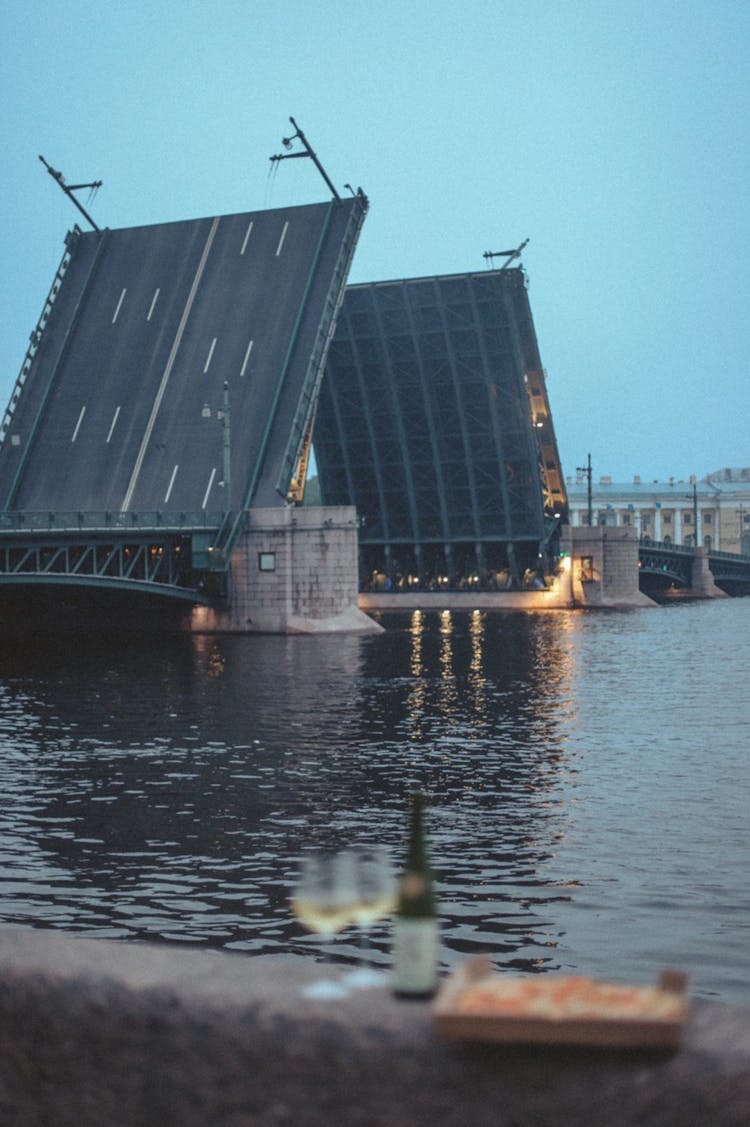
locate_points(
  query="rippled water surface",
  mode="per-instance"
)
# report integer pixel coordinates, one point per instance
(589, 779)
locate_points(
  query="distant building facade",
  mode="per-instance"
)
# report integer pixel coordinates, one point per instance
(667, 511)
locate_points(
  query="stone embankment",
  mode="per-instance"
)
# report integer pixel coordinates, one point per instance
(96, 1032)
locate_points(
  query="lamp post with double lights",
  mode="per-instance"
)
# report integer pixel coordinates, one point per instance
(693, 482)
(587, 470)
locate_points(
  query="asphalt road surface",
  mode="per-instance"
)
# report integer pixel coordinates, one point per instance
(122, 408)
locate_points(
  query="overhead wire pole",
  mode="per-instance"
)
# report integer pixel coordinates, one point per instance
(69, 189)
(299, 135)
(508, 255)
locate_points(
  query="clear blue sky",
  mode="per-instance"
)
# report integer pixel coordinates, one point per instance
(613, 135)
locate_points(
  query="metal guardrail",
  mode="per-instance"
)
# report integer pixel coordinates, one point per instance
(689, 550)
(661, 546)
(731, 556)
(71, 522)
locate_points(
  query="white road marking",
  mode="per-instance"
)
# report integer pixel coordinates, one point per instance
(281, 240)
(122, 295)
(114, 420)
(247, 357)
(153, 303)
(168, 369)
(171, 483)
(208, 488)
(210, 354)
(80, 420)
(247, 236)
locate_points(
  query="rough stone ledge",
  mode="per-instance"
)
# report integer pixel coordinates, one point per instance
(96, 1032)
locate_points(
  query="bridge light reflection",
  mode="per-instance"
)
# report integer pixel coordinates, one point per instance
(416, 704)
(448, 694)
(417, 632)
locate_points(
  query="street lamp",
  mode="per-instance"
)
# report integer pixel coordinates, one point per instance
(587, 470)
(223, 418)
(693, 482)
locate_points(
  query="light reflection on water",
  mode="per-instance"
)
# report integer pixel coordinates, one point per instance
(588, 779)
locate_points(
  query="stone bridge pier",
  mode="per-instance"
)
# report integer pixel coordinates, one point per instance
(604, 566)
(702, 581)
(293, 571)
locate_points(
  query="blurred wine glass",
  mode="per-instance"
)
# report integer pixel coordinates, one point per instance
(325, 894)
(375, 897)
(323, 902)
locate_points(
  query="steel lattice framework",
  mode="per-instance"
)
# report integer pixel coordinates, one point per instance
(433, 420)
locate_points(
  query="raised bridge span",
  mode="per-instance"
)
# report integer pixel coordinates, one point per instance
(169, 385)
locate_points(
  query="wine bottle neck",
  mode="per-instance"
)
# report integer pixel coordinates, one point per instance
(416, 858)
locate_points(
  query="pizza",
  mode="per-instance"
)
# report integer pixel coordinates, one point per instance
(558, 998)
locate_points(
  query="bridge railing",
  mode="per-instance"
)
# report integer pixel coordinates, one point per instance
(65, 522)
(728, 555)
(688, 550)
(662, 546)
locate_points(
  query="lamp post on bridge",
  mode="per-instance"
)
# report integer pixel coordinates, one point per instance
(587, 470)
(223, 417)
(693, 482)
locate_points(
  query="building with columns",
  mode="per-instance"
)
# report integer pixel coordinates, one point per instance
(667, 512)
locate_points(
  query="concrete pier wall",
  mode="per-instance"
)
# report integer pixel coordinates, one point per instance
(294, 571)
(702, 580)
(604, 567)
(124, 1034)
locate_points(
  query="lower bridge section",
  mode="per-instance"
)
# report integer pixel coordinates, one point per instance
(99, 568)
(291, 570)
(669, 569)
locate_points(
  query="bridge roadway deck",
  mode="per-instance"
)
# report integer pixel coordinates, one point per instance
(148, 324)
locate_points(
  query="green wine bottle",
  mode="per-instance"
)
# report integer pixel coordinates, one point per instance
(415, 927)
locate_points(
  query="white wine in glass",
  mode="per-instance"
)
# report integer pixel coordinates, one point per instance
(376, 897)
(376, 888)
(325, 895)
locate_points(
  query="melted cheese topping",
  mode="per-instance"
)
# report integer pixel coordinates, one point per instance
(556, 998)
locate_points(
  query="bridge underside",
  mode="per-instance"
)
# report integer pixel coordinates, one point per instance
(433, 421)
(35, 608)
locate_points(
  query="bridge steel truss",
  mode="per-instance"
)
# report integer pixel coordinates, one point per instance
(730, 571)
(149, 553)
(433, 419)
(672, 565)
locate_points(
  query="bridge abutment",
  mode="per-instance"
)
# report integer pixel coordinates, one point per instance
(604, 571)
(293, 571)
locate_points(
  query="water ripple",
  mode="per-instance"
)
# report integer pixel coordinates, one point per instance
(587, 779)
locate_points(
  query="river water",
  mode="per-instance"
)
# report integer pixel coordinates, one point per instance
(588, 777)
